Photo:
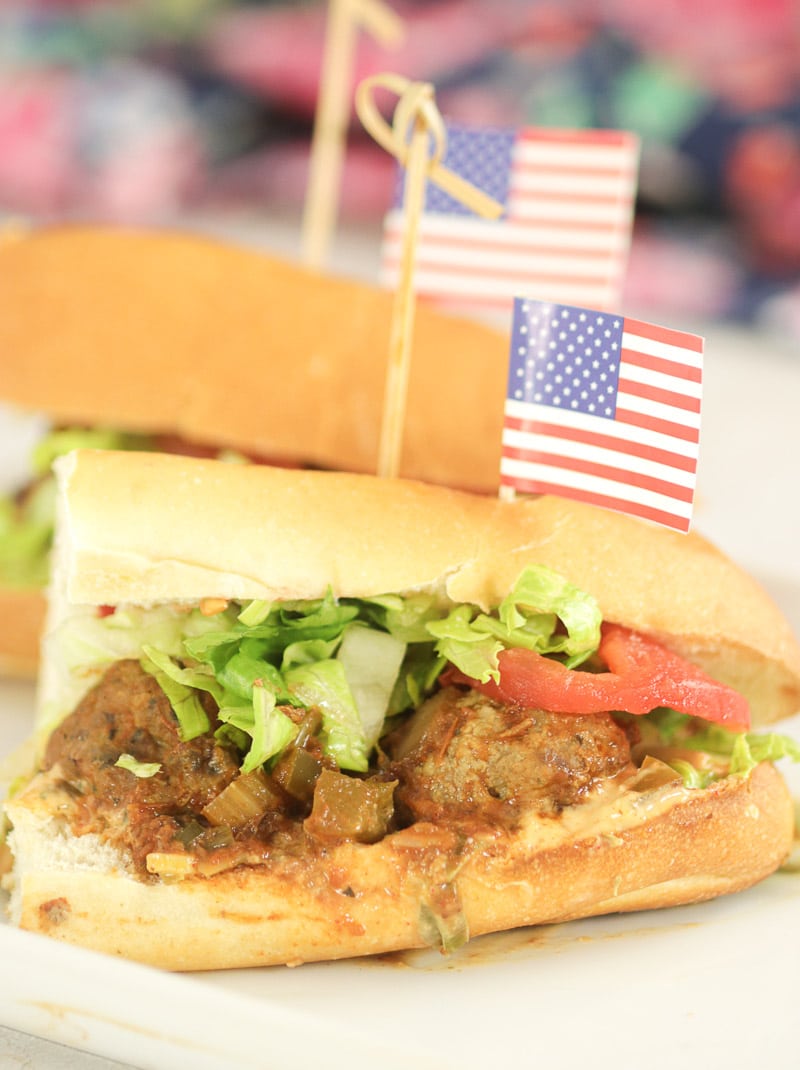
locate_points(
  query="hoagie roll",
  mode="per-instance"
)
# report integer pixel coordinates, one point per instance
(292, 715)
(162, 340)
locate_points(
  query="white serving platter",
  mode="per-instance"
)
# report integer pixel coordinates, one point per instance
(714, 983)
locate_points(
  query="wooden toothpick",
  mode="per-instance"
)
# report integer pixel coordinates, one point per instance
(418, 138)
(329, 137)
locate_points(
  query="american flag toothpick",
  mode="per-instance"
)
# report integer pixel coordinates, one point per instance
(602, 408)
(417, 137)
(568, 199)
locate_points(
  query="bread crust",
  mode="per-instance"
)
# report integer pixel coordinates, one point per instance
(241, 349)
(22, 616)
(663, 848)
(144, 528)
(167, 332)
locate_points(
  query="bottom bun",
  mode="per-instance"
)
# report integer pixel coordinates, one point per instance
(623, 851)
(22, 613)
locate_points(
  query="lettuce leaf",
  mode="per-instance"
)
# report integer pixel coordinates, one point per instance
(26, 536)
(90, 641)
(372, 660)
(538, 601)
(287, 655)
(745, 750)
(257, 657)
(185, 701)
(750, 748)
(200, 679)
(323, 684)
(27, 523)
(468, 641)
(284, 624)
(542, 612)
(143, 770)
(268, 727)
(404, 617)
(63, 440)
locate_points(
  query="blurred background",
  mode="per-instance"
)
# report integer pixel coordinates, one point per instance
(157, 111)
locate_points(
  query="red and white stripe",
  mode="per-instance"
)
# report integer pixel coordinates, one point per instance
(565, 238)
(644, 461)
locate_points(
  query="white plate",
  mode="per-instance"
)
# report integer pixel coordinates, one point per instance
(715, 983)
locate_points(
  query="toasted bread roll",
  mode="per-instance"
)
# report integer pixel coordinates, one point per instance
(169, 333)
(147, 528)
(489, 831)
(163, 331)
(22, 614)
(628, 852)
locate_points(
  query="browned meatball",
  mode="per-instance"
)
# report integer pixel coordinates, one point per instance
(128, 713)
(464, 757)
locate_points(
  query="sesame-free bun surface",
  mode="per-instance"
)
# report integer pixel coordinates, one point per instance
(22, 614)
(172, 333)
(630, 852)
(166, 331)
(147, 528)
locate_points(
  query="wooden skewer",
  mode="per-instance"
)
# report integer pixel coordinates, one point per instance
(418, 138)
(329, 136)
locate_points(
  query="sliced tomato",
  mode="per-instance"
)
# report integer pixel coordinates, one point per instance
(642, 675)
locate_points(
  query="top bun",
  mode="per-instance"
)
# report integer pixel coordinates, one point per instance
(167, 332)
(148, 528)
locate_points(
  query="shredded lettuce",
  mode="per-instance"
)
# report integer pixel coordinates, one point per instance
(323, 684)
(268, 727)
(200, 679)
(744, 750)
(417, 677)
(404, 617)
(371, 660)
(538, 601)
(465, 638)
(542, 612)
(357, 661)
(27, 522)
(286, 623)
(91, 641)
(184, 699)
(692, 776)
(26, 536)
(63, 440)
(750, 748)
(255, 612)
(242, 672)
(143, 770)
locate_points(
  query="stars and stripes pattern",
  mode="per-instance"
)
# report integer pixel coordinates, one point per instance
(603, 408)
(565, 233)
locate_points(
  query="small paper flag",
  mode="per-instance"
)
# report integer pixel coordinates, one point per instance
(603, 408)
(565, 234)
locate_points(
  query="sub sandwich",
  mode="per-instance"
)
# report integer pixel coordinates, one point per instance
(169, 341)
(288, 716)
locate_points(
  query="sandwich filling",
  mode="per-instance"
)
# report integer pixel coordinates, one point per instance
(196, 740)
(27, 516)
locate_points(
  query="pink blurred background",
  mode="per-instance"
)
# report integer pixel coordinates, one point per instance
(151, 111)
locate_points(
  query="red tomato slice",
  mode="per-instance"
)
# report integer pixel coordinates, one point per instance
(642, 675)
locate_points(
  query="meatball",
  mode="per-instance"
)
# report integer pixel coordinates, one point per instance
(128, 713)
(463, 757)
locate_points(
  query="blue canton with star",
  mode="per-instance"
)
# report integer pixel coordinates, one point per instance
(482, 156)
(565, 357)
